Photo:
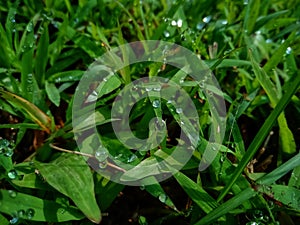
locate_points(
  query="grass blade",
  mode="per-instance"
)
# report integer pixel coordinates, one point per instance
(262, 133)
(227, 206)
(33, 112)
(196, 193)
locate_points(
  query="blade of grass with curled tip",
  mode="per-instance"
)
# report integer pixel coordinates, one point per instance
(30, 110)
(263, 132)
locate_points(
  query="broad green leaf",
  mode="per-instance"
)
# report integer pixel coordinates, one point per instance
(33, 112)
(70, 175)
(3, 220)
(52, 93)
(289, 196)
(295, 178)
(106, 191)
(196, 193)
(36, 209)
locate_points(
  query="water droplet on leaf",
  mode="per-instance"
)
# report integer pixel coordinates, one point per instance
(14, 220)
(12, 193)
(156, 103)
(29, 213)
(12, 174)
(21, 213)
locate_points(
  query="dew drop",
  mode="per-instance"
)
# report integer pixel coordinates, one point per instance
(162, 197)
(174, 23)
(269, 41)
(156, 103)
(202, 84)
(169, 102)
(29, 213)
(104, 79)
(181, 122)
(103, 164)
(200, 26)
(158, 88)
(12, 193)
(206, 19)
(288, 50)
(131, 158)
(14, 220)
(148, 89)
(166, 34)
(179, 110)
(181, 81)
(62, 211)
(21, 213)
(142, 187)
(101, 155)
(12, 174)
(179, 23)
(29, 27)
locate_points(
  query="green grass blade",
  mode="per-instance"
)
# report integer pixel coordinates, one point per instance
(280, 171)
(32, 111)
(262, 133)
(227, 206)
(278, 54)
(42, 56)
(287, 141)
(252, 12)
(196, 193)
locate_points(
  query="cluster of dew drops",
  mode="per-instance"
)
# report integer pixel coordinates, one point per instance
(7, 150)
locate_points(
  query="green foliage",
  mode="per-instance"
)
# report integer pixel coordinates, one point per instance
(252, 47)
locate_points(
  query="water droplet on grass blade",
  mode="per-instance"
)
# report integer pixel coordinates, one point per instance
(29, 27)
(12, 174)
(206, 19)
(179, 110)
(156, 103)
(288, 50)
(162, 197)
(166, 34)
